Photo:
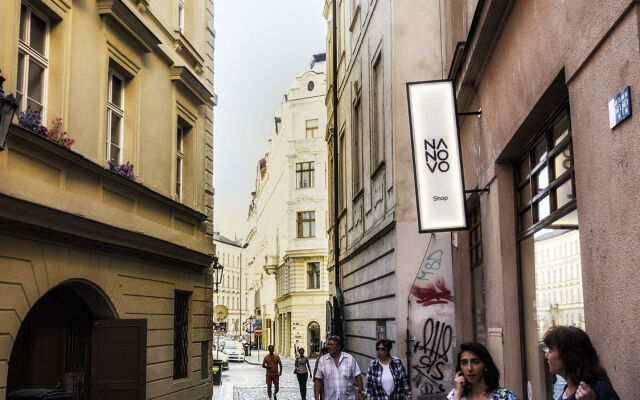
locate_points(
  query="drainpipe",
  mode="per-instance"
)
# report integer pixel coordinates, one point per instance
(337, 309)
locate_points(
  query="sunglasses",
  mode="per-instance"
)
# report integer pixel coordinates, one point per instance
(381, 349)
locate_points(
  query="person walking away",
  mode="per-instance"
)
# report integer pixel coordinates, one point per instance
(274, 369)
(386, 376)
(302, 371)
(571, 355)
(338, 374)
(477, 376)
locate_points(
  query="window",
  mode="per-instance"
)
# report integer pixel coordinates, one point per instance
(33, 62)
(547, 224)
(181, 16)
(179, 160)
(304, 174)
(311, 126)
(313, 275)
(306, 222)
(377, 115)
(356, 152)
(342, 171)
(115, 117)
(477, 275)
(180, 334)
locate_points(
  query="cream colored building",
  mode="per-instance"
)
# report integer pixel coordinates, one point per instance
(232, 291)
(106, 280)
(287, 248)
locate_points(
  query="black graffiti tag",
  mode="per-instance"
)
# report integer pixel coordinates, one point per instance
(434, 347)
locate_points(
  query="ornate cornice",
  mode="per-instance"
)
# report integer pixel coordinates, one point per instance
(192, 84)
(118, 12)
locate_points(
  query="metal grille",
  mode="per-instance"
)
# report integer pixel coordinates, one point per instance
(76, 359)
(180, 334)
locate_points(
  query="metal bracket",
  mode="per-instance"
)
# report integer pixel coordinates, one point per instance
(464, 114)
(485, 189)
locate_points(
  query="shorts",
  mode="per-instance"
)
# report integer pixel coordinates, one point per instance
(275, 379)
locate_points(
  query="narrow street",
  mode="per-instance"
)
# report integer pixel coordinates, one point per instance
(246, 380)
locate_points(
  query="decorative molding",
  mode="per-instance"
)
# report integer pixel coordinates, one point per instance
(182, 46)
(192, 84)
(118, 12)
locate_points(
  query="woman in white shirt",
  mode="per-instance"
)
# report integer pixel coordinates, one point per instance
(386, 377)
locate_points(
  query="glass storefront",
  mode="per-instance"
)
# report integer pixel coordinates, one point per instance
(549, 244)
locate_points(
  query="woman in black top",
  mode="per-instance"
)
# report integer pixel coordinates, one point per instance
(572, 356)
(302, 371)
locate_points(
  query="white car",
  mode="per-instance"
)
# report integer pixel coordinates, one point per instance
(234, 350)
(220, 356)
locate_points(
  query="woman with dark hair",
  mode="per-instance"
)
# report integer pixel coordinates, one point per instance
(477, 376)
(571, 355)
(386, 377)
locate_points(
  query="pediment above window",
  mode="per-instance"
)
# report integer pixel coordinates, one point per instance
(127, 19)
(191, 83)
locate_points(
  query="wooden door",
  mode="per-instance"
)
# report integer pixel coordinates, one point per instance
(118, 359)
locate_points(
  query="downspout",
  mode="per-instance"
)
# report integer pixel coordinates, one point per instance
(337, 311)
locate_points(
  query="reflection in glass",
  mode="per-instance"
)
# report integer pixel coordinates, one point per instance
(38, 34)
(564, 194)
(562, 162)
(544, 208)
(35, 84)
(542, 179)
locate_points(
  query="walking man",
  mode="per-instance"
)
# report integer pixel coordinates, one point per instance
(274, 369)
(338, 373)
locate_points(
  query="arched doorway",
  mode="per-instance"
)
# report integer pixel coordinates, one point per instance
(313, 333)
(69, 337)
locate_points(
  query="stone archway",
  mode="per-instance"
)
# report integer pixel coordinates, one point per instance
(57, 341)
(313, 339)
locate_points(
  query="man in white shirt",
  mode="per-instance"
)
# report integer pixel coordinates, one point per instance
(338, 374)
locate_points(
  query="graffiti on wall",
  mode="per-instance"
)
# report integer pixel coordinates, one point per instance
(433, 350)
(432, 315)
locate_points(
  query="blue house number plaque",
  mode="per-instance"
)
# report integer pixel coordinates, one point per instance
(620, 107)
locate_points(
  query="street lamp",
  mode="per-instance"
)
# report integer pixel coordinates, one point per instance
(217, 273)
(8, 106)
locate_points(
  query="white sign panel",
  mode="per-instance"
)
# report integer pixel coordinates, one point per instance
(437, 163)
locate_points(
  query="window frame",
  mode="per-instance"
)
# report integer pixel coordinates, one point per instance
(181, 16)
(310, 131)
(30, 54)
(118, 110)
(356, 147)
(179, 160)
(377, 145)
(301, 171)
(313, 276)
(301, 220)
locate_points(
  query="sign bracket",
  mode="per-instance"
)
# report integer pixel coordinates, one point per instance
(464, 114)
(484, 189)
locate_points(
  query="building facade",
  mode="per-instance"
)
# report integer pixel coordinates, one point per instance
(106, 282)
(287, 249)
(551, 234)
(232, 291)
(555, 231)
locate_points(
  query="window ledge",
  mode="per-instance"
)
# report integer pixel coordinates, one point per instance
(183, 47)
(377, 170)
(126, 19)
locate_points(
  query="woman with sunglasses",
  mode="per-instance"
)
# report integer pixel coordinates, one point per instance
(477, 376)
(386, 377)
(571, 355)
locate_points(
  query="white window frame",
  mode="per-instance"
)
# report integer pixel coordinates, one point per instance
(179, 160)
(31, 54)
(181, 16)
(117, 110)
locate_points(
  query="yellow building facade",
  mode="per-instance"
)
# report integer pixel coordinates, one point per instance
(106, 288)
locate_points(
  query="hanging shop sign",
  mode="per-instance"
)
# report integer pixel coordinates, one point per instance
(437, 161)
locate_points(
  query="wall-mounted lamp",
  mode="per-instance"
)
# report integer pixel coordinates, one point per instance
(217, 273)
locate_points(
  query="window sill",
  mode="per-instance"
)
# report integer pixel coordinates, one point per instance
(377, 170)
(358, 195)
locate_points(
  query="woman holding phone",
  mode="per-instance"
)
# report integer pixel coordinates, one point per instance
(477, 376)
(571, 355)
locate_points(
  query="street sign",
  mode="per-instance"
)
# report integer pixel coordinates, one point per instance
(258, 330)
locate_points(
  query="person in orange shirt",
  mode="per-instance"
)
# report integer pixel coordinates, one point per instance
(274, 369)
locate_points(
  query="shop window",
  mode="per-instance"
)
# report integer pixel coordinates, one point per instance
(33, 60)
(180, 334)
(477, 275)
(548, 225)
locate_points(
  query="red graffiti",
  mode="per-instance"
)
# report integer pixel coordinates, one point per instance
(432, 294)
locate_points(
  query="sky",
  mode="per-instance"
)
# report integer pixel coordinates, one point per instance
(261, 46)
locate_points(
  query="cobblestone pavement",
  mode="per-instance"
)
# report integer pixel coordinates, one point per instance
(246, 381)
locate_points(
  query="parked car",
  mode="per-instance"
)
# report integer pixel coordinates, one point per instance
(234, 350)
(220, 356)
